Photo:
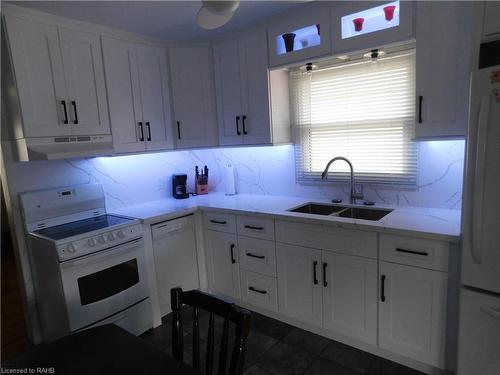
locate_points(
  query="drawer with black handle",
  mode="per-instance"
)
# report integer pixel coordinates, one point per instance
(257, 255)
(219, 221)
(259, 290)
(419, 252)
(255, 226)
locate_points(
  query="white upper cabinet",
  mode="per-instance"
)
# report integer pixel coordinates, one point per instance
(491, 24)
(443, 64)
(365, 25)
(37, 61)
(138, 96)
(59, 78)
(84, 74)
(193, 97)
(412, 312)
(242, 88)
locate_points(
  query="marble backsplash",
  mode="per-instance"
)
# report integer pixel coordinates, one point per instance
(270, 170)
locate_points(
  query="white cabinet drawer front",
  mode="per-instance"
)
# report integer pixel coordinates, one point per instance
(220, 222)
(418, 252)
(257, 255)
(258, 227)
(412, 312)
(347, 241)
(259, 290)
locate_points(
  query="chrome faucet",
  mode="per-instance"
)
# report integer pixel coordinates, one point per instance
(324, 176)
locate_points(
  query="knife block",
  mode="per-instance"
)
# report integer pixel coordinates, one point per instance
(201, 185)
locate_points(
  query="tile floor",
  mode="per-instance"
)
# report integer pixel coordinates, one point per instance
(276, 348)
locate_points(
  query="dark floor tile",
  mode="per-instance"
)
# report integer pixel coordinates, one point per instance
(348, 356)
(257, 345)
(306, 340)
(385, 367)
(255, 370)
(322, 366)
(269, 326)
(284, 359)
(161, 337)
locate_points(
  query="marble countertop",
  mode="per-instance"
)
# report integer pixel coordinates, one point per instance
(433, 223)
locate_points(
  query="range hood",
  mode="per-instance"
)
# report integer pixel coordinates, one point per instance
(65, 147)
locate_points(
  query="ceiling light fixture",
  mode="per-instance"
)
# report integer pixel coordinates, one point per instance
(214, 14)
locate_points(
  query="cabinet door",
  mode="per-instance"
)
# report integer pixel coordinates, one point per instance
(228, 89)
(84, 74)
(255, 88)
(153, 81)
(122, 82)
(299, 288)
(442, 69)
(350, 296)
(38, 69)
(491, 25)
(222, 263)
(193, 97)
(412, 315)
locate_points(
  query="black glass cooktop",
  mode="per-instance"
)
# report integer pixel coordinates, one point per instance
(81, 226)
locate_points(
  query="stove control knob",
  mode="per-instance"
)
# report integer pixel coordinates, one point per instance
(120, 234)
(101, 239)
(111, 237)
(71, 248)
(91, 242)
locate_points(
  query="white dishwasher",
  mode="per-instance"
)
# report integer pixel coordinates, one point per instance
(176, 264)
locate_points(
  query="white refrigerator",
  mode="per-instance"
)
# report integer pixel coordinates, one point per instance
(479, 331)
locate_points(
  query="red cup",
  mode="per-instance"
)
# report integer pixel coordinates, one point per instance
(389, 12)
(358, 24)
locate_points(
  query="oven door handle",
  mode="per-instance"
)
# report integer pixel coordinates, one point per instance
(109, 253)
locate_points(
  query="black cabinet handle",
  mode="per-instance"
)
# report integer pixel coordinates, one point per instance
(149, 131)
(243, 118)
(141, 138)
(325, 283)
(255, 228)
(238, 125)
(178, 130)
(218, 222)
(256, 256)
(382, 288)
(315, 274)
(63, 102)
(420, 100)
(233, 261)
(257, 290)
(73, 103)
(423, 253)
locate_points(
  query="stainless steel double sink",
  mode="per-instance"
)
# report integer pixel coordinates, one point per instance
(373, 214)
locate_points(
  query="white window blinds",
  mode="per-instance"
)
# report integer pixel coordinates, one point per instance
(362, 110)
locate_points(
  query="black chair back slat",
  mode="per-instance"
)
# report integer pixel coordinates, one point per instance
(216, 306)
(196, 339)
(223, 348)
(177, 328)
(210, 345)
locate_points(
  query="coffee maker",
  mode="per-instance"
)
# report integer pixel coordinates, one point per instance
(179, 186)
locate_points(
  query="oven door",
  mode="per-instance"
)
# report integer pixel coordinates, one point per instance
(104, 283)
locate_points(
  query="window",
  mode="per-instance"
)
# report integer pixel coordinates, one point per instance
(363, 110)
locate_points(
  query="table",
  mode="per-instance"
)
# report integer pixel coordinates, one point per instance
(103, 350)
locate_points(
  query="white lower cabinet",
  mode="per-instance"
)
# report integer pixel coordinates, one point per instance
(412, 312)
(222, 263)
(350, 296)
(299, 287)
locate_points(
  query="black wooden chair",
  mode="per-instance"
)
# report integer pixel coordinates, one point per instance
(215, 306)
